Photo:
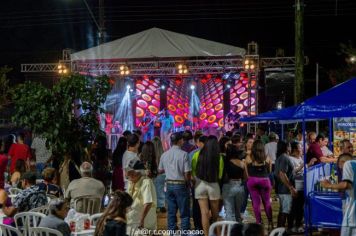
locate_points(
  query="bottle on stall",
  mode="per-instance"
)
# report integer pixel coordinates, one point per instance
(333, 176)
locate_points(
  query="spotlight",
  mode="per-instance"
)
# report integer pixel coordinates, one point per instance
(228, 86)
(192, 87)
(128, 86)
(182, 69)
(124, 70)
(163, 87)
(62, 69)
(131, 90)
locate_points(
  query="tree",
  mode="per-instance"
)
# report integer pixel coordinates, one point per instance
(349, 69)
(52, 112)
(5, 90)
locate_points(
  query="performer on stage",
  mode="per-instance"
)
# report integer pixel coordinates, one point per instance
(148, 126)
(166, 129)
(230, 120)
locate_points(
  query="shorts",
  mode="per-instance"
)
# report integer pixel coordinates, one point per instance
(285, 203)
(205, 190)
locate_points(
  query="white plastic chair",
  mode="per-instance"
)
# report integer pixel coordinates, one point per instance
(94, 218)
(7, 230)
(223, 225)
(278, 231)
(42, 209)
(26, 220)
(87, 204)
(41, 231)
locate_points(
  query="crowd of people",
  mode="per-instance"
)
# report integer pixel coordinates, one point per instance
(198, 175)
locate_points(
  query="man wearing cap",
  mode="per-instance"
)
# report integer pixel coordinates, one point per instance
(143, 192)
(175, 163)
(85, 186)
(29, 198)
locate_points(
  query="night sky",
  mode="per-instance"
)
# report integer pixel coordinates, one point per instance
(37, 31)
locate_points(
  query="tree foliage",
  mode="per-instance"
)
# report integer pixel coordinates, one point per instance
(348, 51)
(5, 89)
(51, 112)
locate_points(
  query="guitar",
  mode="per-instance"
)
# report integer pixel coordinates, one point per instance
(145, 125)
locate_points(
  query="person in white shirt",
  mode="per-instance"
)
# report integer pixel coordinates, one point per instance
(271, 147)
(324, 148)
(133, 143)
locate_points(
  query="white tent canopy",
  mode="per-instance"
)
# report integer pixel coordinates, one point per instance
(158, 43)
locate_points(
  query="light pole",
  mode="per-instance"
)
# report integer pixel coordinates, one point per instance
(101, 24)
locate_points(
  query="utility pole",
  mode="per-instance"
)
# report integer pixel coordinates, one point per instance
(101, 22)
(299, 51)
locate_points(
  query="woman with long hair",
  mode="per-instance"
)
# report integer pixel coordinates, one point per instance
(113, 220)
(233, 190)
(100, 159)
(118, 174)
(209, 171)
(258, 182)
(148, 157)
(160, 179)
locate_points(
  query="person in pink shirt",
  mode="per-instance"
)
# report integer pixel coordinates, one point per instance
(19, 150)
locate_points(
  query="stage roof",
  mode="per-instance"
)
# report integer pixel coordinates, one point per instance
(158, 43)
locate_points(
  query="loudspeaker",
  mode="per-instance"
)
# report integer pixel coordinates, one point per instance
(279, 83)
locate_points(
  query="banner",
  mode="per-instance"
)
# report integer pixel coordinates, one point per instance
(344, 128)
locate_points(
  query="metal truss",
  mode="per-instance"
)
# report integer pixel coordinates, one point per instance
(40, 67)
(162, 68)
(268, 62)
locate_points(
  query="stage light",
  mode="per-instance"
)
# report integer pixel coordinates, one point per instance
(182, 69)
(128, 86)
(247, 67)
(252, 66)
(247, 62)
(62, 69)
(353, 59)
(192, 87)
(228, 86)
(163, 87)
(131, 90)
(124, 70)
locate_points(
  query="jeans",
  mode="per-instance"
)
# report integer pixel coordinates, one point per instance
(178, 197)
(196, 213)
(159, 185)
(40, 167)
(233, 194)
(148, 136)
(245, 199)
(260, 188)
